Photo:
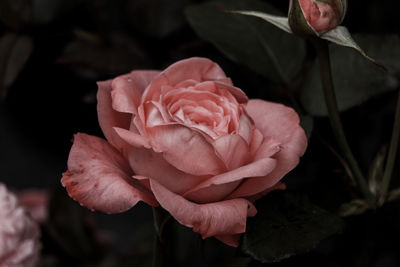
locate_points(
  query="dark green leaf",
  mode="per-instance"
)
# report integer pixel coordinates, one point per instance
(161, 217)
(354, 207)
(68, 227)
(14, 53)
(287, 224)
(356, 80)
(156, 18)
(117, 54)
(247, 40)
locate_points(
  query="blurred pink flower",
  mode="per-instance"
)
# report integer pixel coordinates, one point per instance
(35, 202)
(19, 234)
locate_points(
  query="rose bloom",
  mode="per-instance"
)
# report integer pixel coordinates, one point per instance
(322, 16)
(188, 140)
(19, 234)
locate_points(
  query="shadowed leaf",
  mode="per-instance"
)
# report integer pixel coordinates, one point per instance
(287, 224)
(248, 40)
(356, 80)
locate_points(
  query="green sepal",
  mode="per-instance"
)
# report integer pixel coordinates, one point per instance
(298, 22)
(341, 36)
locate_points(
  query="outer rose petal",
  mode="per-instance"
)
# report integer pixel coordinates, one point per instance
(259, 168)
(185, 149)
(233, 150)
(147, 163)
(127, 90)
(275, 120)
(108, 117)
(227, 217)
(281, 123)
(212, 193)
(231, 240)
(198, 69)
(99, 178)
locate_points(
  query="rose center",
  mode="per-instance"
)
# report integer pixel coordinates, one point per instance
(205, 107)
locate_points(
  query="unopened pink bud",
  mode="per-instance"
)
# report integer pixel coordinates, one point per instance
(318, 16)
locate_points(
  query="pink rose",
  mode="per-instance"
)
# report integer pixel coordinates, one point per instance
(188, 140)
(19, 234)
(320, 15)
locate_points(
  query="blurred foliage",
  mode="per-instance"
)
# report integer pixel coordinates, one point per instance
(14, 53)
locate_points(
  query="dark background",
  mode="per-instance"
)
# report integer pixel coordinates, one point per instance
(78, 42)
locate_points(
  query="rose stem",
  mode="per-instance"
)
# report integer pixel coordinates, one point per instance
(394, 143)
(160, 217)
(322, 51)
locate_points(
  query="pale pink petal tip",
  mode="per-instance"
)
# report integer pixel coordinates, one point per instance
(222, 218)
(99, 178)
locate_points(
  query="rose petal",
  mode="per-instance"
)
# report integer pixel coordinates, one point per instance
(212, 193)
(230, 240)
(219, 218)
(273, 119)
(240, 96)
(186, 149)
(245, 127)
(198, 69)
(132, 138)
(256, 141)
(258, 168)
(127, 90)
(278, 186)
(233, 150)
(147, 163)
(268, 148)
(282, 124)
(108, 117)
(287, 158)
(99, 178)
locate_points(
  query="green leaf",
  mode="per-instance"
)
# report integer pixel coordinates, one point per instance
(355, 79)
(278, 21)
(341, 36)
(156, 18)
(161, 217)
(287, 224)
(354, 207)
(15, 51)
(248, 40)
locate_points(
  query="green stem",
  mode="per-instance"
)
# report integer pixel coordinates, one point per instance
(158, 245)
(394, 143)
(322, 51)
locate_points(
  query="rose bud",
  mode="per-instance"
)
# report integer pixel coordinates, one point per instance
(314, 17)
(188, 140)
(19, 233)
